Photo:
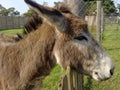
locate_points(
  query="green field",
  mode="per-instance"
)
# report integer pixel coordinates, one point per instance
(11, 31)
(111, 42)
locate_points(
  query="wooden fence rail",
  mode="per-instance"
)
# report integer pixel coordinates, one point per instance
(8, 22)
(71, 81)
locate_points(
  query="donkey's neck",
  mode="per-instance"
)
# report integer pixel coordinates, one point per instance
(40, 43)
(34, 56)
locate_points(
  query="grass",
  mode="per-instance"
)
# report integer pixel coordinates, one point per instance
(51, 81)
(111, 42)
(11, 31)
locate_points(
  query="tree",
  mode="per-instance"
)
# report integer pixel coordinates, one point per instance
(13, 12)
(108, 7)
(8, 12)
(77, 7)
(1, 7)
(4, 12)
(29, 13)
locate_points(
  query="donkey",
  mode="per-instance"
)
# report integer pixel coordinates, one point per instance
(62, 38)
(9, 39)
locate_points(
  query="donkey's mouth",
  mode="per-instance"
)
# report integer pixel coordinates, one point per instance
(99, 77)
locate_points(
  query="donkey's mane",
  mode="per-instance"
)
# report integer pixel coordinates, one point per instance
(63, 7)
(32, 24)
(35, 21)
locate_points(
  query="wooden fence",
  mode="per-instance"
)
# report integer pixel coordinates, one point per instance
(71, 81)
(91, 20)
(12, 22)
(7, 22)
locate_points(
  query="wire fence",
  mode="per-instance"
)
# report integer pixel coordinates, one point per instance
(110, 21)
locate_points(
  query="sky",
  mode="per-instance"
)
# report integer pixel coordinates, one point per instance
(22, 7)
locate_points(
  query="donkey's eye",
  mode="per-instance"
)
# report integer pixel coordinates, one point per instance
(81, 38)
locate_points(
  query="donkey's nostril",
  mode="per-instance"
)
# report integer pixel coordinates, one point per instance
(111, 71)
(96, 73)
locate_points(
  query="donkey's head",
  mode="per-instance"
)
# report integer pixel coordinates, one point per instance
(74, 45)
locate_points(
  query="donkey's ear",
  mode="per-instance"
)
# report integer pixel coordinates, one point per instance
(53, 16)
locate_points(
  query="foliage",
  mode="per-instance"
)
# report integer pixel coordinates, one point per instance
(8, 12)
(13, 12)
(91, 10)
(28, 13)
(4, 12)
(108, 7)
(1, 7)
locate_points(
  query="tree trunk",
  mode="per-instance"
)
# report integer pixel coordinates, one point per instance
(77, 7)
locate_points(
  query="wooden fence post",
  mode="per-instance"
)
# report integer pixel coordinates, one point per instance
(99, 5)
(71, 81)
